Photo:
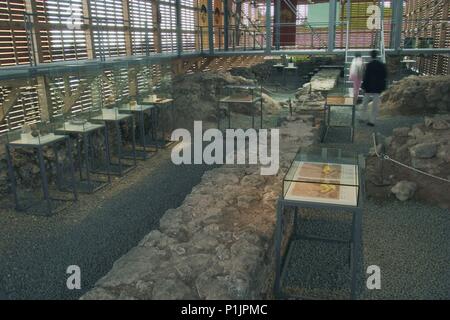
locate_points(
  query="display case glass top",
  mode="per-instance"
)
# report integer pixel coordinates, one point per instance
(111, 114)
(323, 175)
(134, 106)
(34, 135)
(79, 122)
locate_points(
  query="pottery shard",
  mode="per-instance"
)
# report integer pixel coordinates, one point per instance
(404, 190)
(423, 150)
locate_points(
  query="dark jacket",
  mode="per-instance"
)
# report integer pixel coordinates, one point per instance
(374, 80)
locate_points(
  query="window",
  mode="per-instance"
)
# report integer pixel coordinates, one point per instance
(14, 44)
(107, 21)
(61, 35)
(141, 22)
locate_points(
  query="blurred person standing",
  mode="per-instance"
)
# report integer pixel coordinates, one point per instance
(374, 83)
(356, 75)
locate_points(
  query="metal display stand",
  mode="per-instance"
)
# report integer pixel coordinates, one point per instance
(161, 105)
(38, 144)
(139, 111)
(338, 102)
(285, 241)
(252, 99)
(84, 133)
(114, 118)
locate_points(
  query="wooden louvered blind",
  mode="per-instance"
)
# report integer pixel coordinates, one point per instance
(108, 25)
(188, 12)
(24, 110)
(61, 30)
(14, 49)
(141, 22)
(168, 26)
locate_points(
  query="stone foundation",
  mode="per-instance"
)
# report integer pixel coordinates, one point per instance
(417, 95)
(218, 244)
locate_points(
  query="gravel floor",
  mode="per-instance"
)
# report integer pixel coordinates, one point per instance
(35, 251)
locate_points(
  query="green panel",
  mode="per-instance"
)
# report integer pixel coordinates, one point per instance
(318, 14)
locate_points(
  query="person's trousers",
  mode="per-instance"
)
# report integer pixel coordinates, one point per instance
(372, 115)
(356, 88)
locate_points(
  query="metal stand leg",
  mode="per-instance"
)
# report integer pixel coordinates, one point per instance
(72, 169)
(142, 127)
(107, 154)
(229, 116)
(58, 169)
(353, 122)
(278, 240)
(133, 139)
(80, 157)
(12, 177)
(119, 145)
(85, 138)
(261, 113)
(44, 180)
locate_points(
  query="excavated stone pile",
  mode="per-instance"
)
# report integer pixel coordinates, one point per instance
(417, 95)
(196, 96)
(218, 244)
(424, 146)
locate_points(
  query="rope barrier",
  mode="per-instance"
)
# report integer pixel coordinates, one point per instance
(387, 157)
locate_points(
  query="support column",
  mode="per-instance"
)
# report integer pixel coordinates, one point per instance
(126, 27)
(277, 19)
(210, 27)
(268, 27)
(178, 27)
(397, 19)
(45, 102)
(89, 33)
(332, 25)
(156, 15)
(226, 23)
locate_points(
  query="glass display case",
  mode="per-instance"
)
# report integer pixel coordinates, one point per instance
(36, 134)
(91, 146)
(319, 181)
(145, 117)
(159, 95)
(245, 100)
(80, 122)
(339, 113)
(326, 176)
(40, 138)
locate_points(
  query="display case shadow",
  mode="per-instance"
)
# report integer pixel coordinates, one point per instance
(48, 157)
(319, 180)
(245, 98)
(91, 148)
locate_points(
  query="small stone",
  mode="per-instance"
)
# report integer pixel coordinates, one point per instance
(423, 150)
(404, 190)
(401, 132)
